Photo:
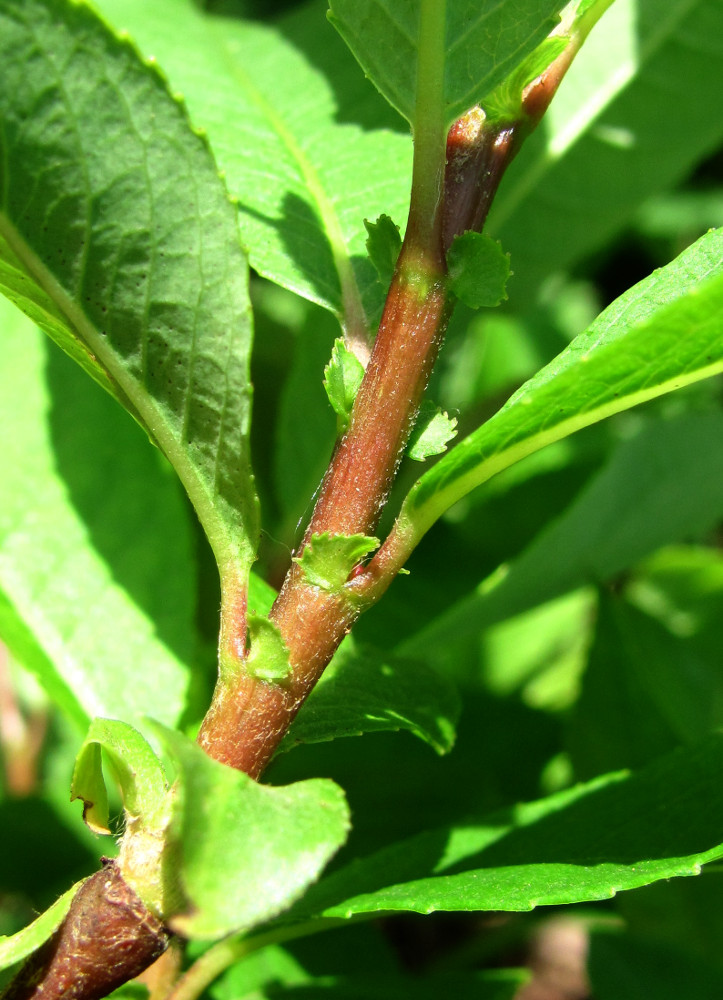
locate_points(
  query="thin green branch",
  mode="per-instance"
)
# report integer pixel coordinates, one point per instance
(429, 130)
(223, 955)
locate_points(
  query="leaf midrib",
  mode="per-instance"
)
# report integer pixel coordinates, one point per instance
(146, 407)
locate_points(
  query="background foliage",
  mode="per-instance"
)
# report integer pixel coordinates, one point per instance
(575, 600)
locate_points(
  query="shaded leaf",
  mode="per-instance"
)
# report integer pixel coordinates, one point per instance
(665, 332)
(648, 71)
(616, 833)
(626, 965)
(662, 486)
(483, 44)
(383, 245)
(364, 691)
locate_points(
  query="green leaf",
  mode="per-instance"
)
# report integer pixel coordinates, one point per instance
(478, 270)
(625, 965)
(327, 560)
(137, 769)
(261, 595)
(302, 447)
(247, 851)
(364, 691)
(604, 146)
(482, 45)
(18, 946)
(613, 834)
(132, 237)
(275, 971)
(616, 721)
(268, 657)
(496, 984)
(663, 333)
(342, 378)
(432, 432)
(292, 123)
(383, 245)
(660, 487)
(97, 576)
(650, 688)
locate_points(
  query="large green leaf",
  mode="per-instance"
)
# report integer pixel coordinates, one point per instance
(639, 108)
(112, 212)
(616, 833)
(663, 333)
(304, 141)
(660, 487)
(483, 44)
(97, 575)
(363, 691)
(247, 851)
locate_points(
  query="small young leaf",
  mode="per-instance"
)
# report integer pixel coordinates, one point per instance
(138, 771)
(247, 850)
(16, 947)
(342, 378)
(268, 658)
(327, 560)
(478, 270)
(383, 245)
(432, 431)
(364, 691)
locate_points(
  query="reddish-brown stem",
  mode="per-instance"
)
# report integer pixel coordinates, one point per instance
(107, 938)
(248, 717)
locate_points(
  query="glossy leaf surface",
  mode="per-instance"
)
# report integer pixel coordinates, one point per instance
(275, 101)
